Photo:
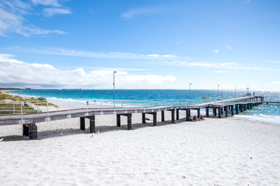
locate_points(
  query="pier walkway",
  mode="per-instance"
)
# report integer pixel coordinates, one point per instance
(28, 121)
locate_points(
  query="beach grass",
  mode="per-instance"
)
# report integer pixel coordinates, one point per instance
(26, 107)
(11, 109)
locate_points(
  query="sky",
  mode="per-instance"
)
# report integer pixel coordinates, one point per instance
(158, 44)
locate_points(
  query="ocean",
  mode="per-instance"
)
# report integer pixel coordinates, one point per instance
(266, 113)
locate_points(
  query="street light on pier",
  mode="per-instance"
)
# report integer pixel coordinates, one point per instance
(218, 90)
(190, 92)
(190, 89)
(114, 72)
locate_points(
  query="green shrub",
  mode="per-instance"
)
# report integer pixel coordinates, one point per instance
(42, 99)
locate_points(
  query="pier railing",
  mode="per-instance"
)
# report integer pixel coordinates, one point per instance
(49, 105)
(38, 106)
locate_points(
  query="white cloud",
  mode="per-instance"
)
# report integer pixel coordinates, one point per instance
(167, 56)
(206, 64)
(178, 42)
(228, 47)
(46, 2)
(162, 56)
(219, 71)
(17, 72)
(130, 14)
(12, 19)
(120, 69)
(153, 55)
(8, 58)
(48, 12)
(275, 83)
(89, 54)
(222, 65)
(216, 51)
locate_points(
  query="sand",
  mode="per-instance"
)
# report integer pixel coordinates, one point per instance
(213, 152)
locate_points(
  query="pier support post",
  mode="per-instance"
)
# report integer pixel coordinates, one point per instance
(33, 131)
(118, 120)
(129, 125)
(226, 110)
(30, 130)
(82, 123)
(241, 108)
(162, 116)
(25, 130)
(245, 107)
(232, 110)
(187, 114)
(143, 118)
(172, 116)
(154, 119)
(198, 112)
(207, 111)
(222, 112)
(219, 110)
(236, 109)
(92, 124)
(215, 111)
(177, 114)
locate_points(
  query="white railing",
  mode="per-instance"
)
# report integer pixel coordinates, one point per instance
(38, 106)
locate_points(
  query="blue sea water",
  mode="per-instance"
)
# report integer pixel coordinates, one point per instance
(266, 113)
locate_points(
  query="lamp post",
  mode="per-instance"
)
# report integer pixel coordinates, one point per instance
(235, 90)
(190, 89)
(218, 91)
(114, 86)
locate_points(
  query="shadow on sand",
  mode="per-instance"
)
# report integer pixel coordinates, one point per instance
(99, 129)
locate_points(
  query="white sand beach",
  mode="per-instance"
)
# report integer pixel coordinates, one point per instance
(212, 152)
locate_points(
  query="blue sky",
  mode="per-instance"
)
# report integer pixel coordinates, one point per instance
(152, 44)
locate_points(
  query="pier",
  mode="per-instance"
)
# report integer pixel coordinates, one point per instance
(229, 107)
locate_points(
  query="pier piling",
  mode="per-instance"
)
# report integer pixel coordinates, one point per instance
(92, 124)
(162, 116)
(119, 120)
(82, 123)
(143, 118)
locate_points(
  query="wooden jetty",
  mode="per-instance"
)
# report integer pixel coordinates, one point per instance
(28, 121)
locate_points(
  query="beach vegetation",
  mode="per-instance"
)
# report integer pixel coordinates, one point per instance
(16, 108)
(41, 99)
(13, 101)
